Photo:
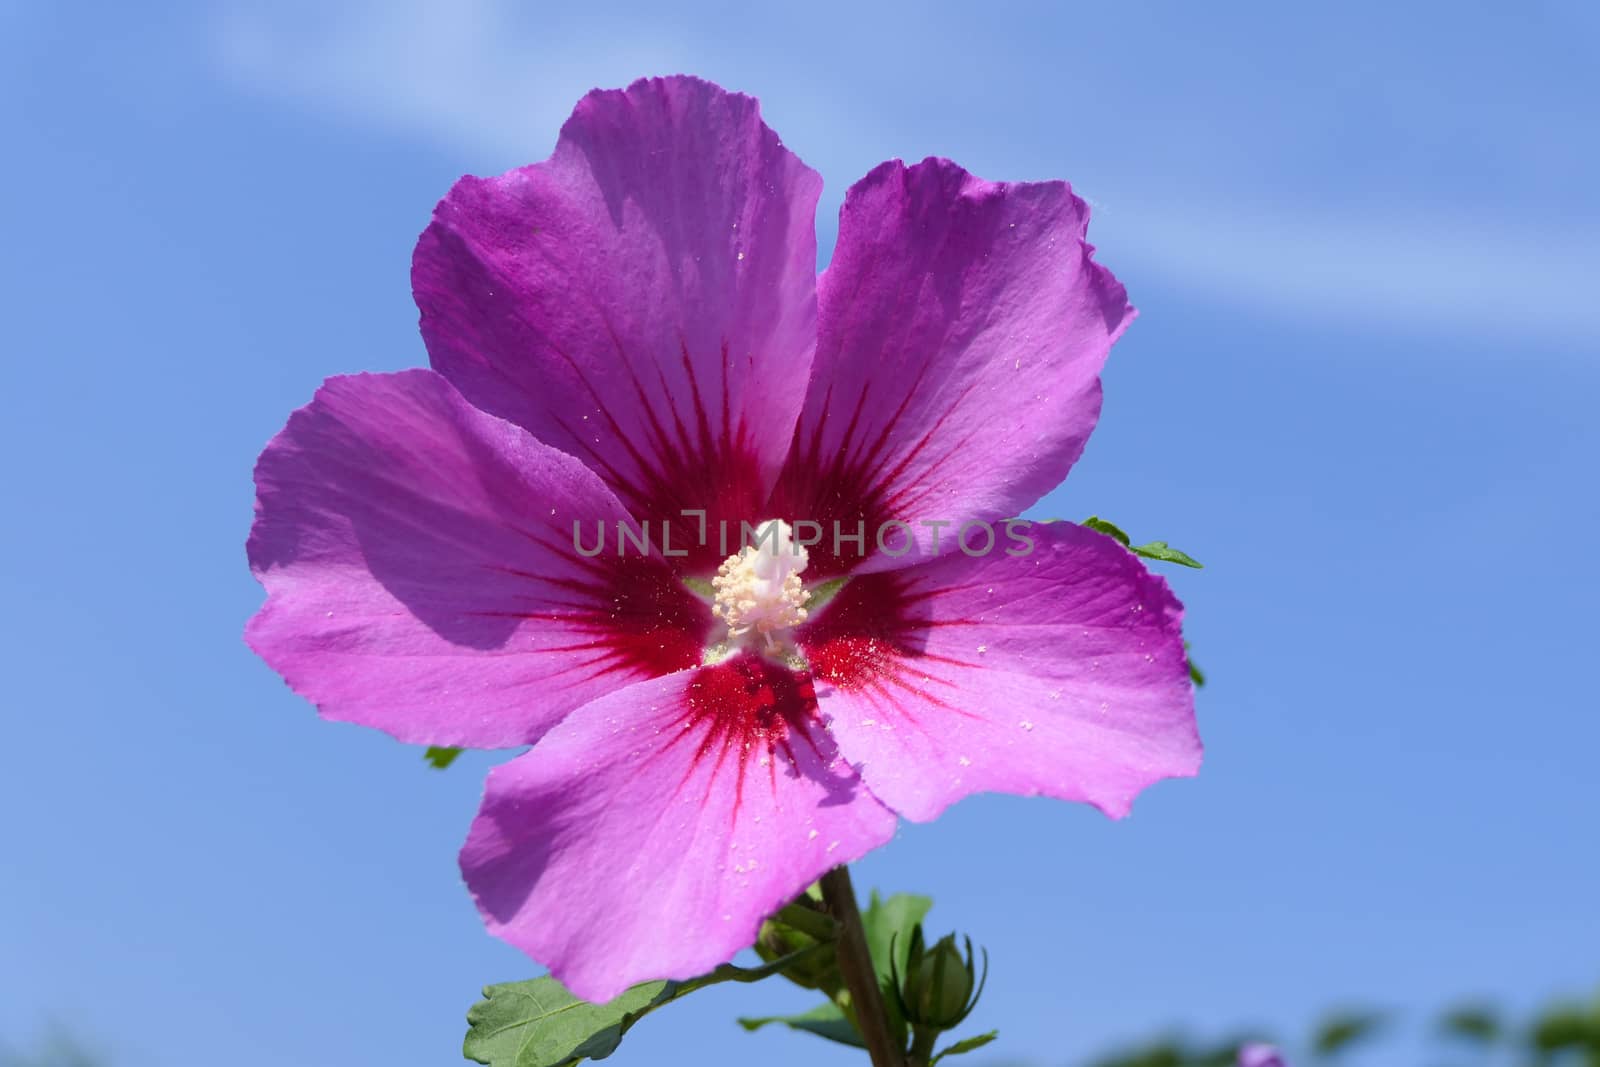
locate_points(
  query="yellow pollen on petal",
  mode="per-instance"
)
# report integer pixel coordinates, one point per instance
(758, 590)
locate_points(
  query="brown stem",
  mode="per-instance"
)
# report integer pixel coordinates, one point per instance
(855, 966)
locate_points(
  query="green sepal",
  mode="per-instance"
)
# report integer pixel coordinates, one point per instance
(800, 926)
(966, 1044)
(939, 987)
(440, 757)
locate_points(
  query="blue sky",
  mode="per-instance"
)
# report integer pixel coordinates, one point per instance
(1364, 244)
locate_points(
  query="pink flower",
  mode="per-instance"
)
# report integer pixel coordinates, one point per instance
(633, 330)
(1258, 1054)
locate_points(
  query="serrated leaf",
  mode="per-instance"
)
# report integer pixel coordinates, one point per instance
(966, 1044)
(439, 757)
(1111, 529)
(538, 1023)
(825, 1020)
(1338, 1032)
(1162, 551)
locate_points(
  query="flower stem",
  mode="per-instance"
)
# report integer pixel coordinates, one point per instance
(855, 966)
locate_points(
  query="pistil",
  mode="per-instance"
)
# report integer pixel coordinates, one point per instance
(759, 593)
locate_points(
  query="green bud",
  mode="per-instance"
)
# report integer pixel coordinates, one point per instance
(941, 986)
(819, 970)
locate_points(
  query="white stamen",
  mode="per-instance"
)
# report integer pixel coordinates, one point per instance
(759, 590)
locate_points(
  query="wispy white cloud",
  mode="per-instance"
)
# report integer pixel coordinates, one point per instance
(1453, 277)
(483, 78)
(465, 73)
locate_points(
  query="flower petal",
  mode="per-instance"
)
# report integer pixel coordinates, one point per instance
(649, 834)
(962, 327)
(1259, 1054)
(645, 300)
(421, 575)
(1059, 673)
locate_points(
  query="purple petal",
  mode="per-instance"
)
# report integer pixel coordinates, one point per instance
(1059, 673)
(648, 835)
(1260, 1055)
(962, 327)
(421, 577)
(645, 300)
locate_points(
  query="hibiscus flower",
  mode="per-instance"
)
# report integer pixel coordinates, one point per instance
(630, 341)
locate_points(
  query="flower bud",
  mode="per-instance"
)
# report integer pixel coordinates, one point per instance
(817, 970)
(941, 986)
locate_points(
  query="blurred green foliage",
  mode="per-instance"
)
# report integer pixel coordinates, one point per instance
(1563, 1033)
(56, 1048)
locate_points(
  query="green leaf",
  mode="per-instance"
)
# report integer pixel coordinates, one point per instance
(1094, 522)
(888, 925)
(1338, 1032)
(1158, 550)
(1196, 675)
(966, 1044)
(825, 1020)
(538, 1023)
(1161, 551)
(440, 758)
(1471, 1022)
